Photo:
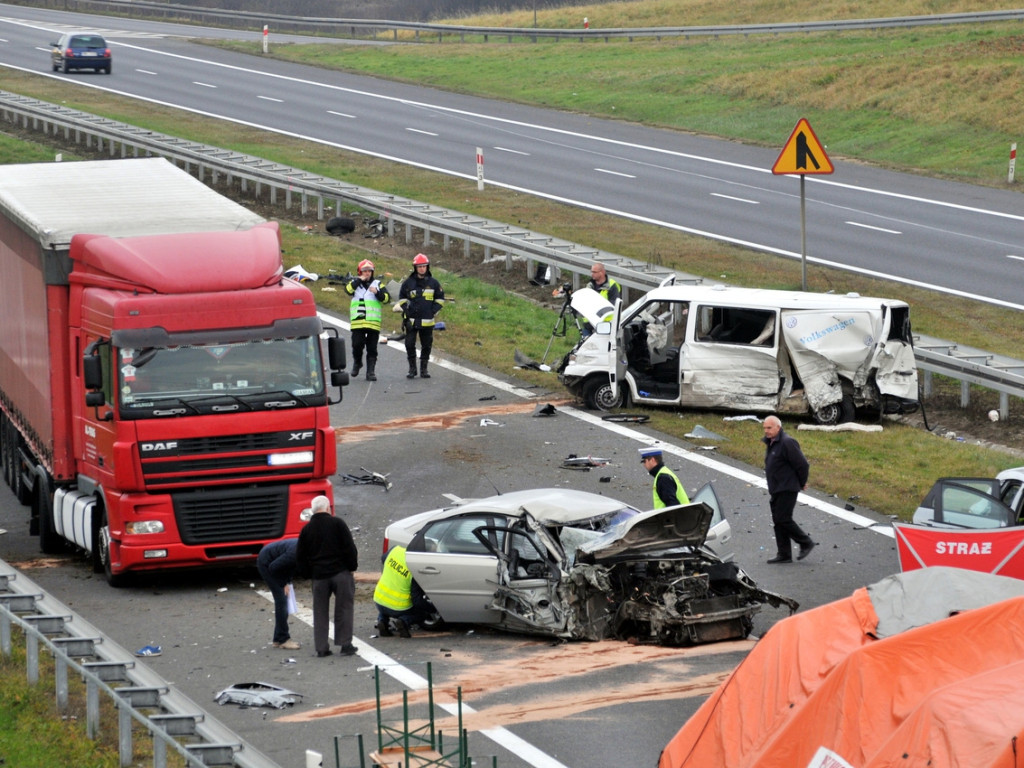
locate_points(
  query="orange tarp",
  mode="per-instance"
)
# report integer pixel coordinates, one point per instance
(949, 693)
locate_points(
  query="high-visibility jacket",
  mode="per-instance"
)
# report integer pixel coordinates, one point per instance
(394, 588)
(365, 309)
(680, 491)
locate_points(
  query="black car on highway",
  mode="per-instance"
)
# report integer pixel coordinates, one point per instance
(80, 50)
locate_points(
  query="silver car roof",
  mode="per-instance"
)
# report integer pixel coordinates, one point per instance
(550, 506)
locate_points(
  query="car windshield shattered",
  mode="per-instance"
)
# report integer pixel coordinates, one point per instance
(647, 577)
(188, 379)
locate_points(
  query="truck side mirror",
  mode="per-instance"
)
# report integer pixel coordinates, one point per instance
(336, 354)
(92, 373)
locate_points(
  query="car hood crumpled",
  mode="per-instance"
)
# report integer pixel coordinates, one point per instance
(649, 532)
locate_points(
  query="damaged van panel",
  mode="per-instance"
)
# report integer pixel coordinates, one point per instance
(743, 349)
(578, 566)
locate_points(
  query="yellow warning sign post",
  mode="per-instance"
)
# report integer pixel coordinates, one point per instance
(803, 154)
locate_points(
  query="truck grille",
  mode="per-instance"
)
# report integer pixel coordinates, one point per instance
(224, 459)
(231, 514)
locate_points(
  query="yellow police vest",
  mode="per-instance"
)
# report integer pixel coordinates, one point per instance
(680, 493)
(394, 588)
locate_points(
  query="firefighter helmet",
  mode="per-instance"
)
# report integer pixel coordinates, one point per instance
(366, 264)
(420, 259)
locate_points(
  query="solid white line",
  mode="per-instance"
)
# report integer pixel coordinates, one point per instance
(417, 130)
(271, 98)
(1011, 256)
(876, 229)
(512, 151)
(615, 173)
(737, 199)
(204, 85)
(339, 114)
(145, 72)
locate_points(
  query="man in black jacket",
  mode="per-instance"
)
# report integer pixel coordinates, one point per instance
(327, 554)
(786, 470)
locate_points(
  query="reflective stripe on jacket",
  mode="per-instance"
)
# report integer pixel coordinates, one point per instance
(365, 308)
(394, 588)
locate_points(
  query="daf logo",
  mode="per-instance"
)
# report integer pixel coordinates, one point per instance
(168, 446)
(301, 436)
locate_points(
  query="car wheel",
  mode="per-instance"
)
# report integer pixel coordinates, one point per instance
(340, 225)
(65, 68)
(597, 394)
(108, 68)
(434, 624)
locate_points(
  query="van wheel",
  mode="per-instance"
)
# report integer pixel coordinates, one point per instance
(597, 394)
(836, 413)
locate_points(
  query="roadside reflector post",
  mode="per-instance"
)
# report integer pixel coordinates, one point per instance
(266, 30)
(479, 169)
(1013, 161)
(803, 154)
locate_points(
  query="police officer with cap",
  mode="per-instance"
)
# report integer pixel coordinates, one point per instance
(667, 491)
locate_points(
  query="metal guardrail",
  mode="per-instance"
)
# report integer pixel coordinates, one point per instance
(176, 725)
(372, 28)
(214, 165)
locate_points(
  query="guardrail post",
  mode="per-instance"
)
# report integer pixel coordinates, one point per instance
(31, 658)
(408, 233)
(288, 199)
(273, 194)
(1004, 406)
(5, 633)
(927, 384)
(60, 676)
(124, 734)
(965, 394)
(92, 708)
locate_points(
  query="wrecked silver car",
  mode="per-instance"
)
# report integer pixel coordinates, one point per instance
(580, 566)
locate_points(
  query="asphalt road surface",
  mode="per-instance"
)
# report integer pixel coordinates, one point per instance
(529, 701)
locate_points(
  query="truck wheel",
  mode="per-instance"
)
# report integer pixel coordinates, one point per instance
(103, 547)
(597, 394)
(50, 542)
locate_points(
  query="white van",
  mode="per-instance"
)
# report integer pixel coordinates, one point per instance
(743, 349)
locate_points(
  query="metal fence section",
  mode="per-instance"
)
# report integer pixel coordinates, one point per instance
(217, 166)
(140, 697)
(373, 28)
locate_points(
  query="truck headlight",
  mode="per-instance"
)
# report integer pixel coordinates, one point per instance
(288, 459)
(145, 526)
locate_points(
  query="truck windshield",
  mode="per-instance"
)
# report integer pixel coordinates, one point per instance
(214, 378)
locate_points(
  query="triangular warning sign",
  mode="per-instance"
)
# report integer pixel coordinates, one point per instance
(803, 153)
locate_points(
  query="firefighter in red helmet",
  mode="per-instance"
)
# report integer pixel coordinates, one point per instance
(420, 299)
(368, 296)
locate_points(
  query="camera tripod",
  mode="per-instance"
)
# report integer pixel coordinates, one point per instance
(562, 322)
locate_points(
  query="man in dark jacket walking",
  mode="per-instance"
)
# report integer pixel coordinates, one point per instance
(327, 554)
(786, 470)
(420, 298)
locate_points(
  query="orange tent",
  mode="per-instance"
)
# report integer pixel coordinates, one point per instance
(871, 679)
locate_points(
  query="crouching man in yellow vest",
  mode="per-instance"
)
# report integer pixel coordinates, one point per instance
(398, 597)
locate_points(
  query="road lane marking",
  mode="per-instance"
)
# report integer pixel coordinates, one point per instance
(876, 229)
